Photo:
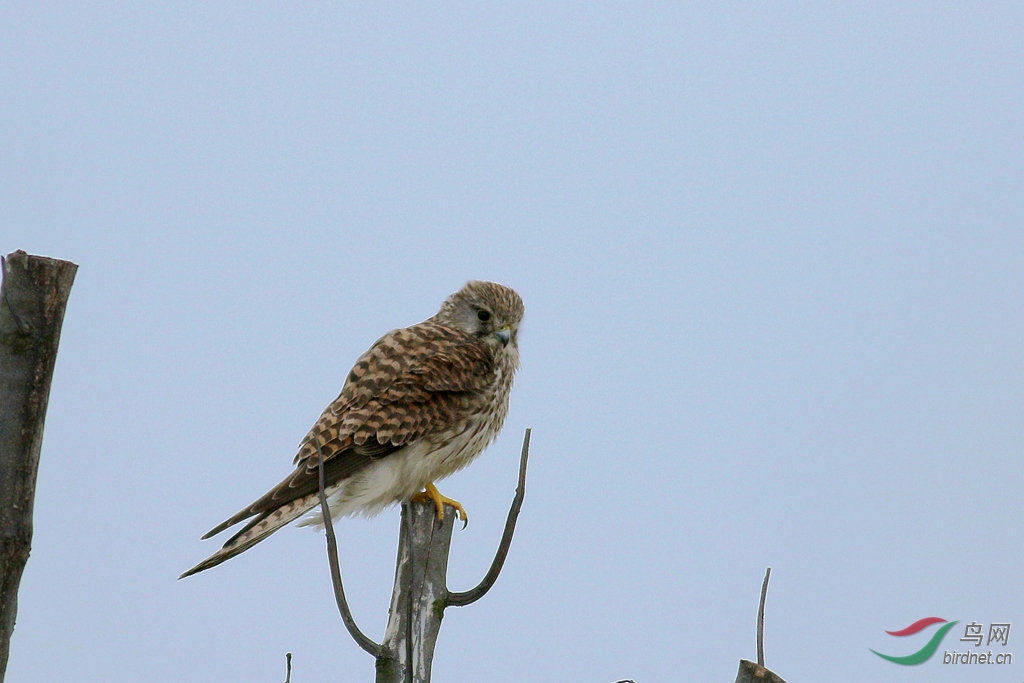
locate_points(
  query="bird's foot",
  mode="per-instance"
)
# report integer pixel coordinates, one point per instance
(431, 494)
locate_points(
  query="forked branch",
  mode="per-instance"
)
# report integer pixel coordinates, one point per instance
(420, 594)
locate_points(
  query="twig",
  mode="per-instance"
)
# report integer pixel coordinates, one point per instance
(760, 618)
(332, 557)
(472, 595)
(288, 659)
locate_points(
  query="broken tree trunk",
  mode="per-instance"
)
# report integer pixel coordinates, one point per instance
(420, 594)
(33, 296)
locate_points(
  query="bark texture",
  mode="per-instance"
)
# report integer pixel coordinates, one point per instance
(32, 300)
(419, 597)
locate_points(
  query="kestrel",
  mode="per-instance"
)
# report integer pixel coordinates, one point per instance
(419, 405)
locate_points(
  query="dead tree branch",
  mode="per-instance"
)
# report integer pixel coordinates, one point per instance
(472, 595)
(749, 671)
(420, 595)
(760, 618)
(332, 558)
(33, 297)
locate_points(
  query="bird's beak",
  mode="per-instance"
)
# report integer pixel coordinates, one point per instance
(504, 334)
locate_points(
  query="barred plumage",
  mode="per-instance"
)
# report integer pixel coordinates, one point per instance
(420, 404)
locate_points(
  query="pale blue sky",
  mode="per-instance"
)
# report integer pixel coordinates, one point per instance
(771, 255)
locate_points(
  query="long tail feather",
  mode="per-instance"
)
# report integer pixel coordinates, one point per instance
(257, 530)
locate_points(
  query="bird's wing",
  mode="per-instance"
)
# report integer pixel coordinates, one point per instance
(412, 383)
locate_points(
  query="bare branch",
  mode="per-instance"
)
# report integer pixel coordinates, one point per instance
(33, 297)
(749, 671)
(332, 557)
(760, 618)
(474, 594)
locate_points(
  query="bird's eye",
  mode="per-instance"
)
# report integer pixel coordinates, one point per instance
(483, 316)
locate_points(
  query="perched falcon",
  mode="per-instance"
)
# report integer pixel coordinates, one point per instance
(420, 404)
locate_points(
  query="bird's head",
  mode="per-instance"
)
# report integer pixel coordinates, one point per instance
(486, 310)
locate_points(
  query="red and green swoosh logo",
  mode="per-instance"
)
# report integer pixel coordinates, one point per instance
(930, 647)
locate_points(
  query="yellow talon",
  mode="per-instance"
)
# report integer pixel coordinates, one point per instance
(431, 494)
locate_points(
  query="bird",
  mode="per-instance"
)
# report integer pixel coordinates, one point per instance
(420, 404)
